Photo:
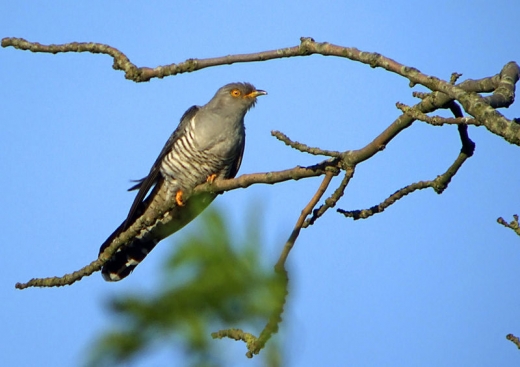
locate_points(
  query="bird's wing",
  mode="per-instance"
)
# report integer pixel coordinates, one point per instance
(145, 184)
(238, 161)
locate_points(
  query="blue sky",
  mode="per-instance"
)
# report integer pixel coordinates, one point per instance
(429, 282)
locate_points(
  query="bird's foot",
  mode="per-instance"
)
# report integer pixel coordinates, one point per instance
(211, 178)
(178, 198)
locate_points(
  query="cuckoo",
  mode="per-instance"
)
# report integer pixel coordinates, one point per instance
(207, 144)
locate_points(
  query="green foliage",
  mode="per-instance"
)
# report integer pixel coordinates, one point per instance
(210, 282)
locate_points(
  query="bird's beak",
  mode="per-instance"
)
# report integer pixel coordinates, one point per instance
(256, 93)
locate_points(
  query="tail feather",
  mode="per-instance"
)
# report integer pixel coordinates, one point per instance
(124, 261)
(126, 258)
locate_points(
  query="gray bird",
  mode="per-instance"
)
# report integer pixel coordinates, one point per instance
(207, 144)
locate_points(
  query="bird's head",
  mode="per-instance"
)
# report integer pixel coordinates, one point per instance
(236, 96)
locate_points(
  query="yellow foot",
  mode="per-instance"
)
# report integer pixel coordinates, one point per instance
(178, 198)
(211, 178)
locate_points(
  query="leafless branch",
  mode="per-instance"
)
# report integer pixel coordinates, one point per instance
(514, 339)
(299, 223)
(254, 345)
(454, 77)
(235, 334)
(437, 120)
(439, 184)
(304, 148)
(325, 167)
(512, 225)
(483, 109)
(331, 201)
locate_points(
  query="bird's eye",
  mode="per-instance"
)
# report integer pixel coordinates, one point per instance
(236, 93)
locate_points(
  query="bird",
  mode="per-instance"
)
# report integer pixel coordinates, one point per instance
(208, 144)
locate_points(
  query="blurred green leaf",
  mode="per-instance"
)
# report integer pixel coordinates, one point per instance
(212, 281)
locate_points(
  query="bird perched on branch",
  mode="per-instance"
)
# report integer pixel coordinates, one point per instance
(207, 144)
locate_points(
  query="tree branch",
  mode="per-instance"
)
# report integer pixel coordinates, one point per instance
(482, 109)
(299, 223)
(513, 339)
(436, 120)
(304, 148)
(439, 184)
(512, 225)
(218, 186)
(255, 345)
(331, 201)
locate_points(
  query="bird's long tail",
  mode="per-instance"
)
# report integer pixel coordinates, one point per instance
(127, 257)
(124, 261)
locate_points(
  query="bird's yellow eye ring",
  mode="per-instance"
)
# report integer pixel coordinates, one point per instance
(236, 93)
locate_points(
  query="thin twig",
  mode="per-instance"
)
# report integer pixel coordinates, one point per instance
(468, 146)
(274, 320)
(514, 339)
(276, 316)
(304, 148)
(270, 178)
(254, 345)
(439, 184)
(280, 264)
(331, 201)
(514, 225)
(454, 77)
(436, 120)
(235, 334)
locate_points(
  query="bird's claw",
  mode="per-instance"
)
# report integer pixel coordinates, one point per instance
(178, 198)
(211, 178)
